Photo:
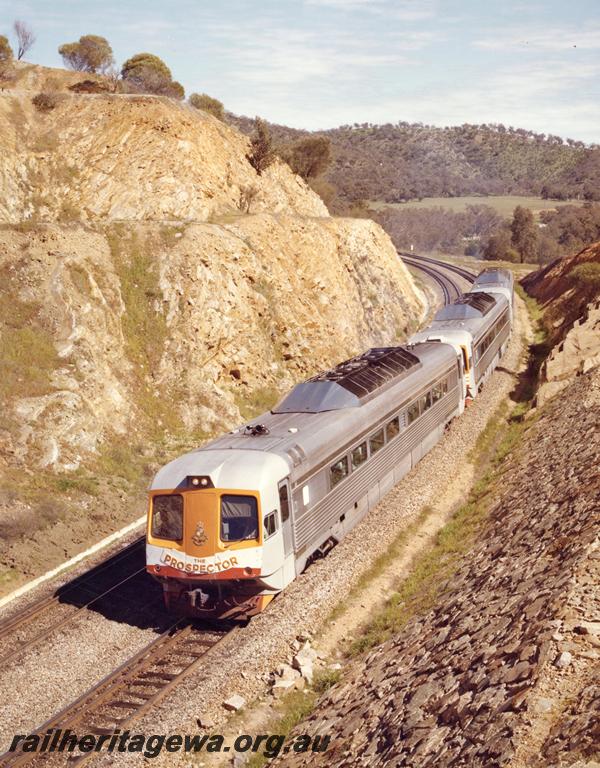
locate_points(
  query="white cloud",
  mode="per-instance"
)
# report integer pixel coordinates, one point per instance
(406, 10)
(553, 38)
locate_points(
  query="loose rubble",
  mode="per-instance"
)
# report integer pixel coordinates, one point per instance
(455, 684)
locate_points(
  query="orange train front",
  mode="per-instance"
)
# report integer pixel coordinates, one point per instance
(206, 537)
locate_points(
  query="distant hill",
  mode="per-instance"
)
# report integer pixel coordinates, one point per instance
(392, 163)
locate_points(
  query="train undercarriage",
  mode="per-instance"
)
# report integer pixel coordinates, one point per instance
(203, 600)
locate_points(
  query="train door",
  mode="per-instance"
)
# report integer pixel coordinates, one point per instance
(286, 523)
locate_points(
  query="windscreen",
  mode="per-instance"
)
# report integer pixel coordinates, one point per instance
(239, 517)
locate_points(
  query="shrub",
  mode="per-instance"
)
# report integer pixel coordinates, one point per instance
(309, 157)
(587, 275)
(207, 104)
(147, 73)
(6, 52)
(45, 102)
(91, 54)
(247, 195)
(261, 147)
(89, 86)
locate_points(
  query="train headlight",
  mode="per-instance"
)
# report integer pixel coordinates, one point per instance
(199, 481)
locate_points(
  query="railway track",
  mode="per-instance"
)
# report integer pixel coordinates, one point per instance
(128, 692)
(460, 271)
(449, 287)
(112, 586)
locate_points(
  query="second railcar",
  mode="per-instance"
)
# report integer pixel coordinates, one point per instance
(478, 326)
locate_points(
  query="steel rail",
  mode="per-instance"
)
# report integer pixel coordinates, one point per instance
(130, 690)
(450, 289)
(464, 273)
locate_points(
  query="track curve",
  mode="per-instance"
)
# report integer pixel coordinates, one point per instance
(460, 271)
(449, 287)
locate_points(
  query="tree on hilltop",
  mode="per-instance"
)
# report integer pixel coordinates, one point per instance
(147, 73)
(91, 54)
(7, 72)
(308, 157)
(6, 52)
(208, 104)
(25, 38)
(261, 147)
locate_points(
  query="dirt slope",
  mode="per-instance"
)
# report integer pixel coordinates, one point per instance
(141, 310)
(571, 316)
(463, 684)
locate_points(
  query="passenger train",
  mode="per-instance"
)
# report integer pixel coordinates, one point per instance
(231, 524)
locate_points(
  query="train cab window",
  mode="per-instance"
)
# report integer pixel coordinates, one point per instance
(239, 517)
(412, 412)
(339, 471)
(284, 503)
(392, 429)
(167, 517)
(270, 524)
(376, 441)
(359, 455)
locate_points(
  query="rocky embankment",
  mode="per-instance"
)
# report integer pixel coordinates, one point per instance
(142, 307)
(504, 669)
(570, 296)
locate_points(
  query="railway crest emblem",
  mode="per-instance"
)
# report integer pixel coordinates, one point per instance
(199, 536)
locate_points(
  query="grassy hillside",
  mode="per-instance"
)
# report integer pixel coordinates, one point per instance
(392, 163)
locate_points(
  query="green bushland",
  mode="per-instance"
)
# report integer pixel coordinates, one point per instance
(586, 275)
(29, 356)
(503, 204)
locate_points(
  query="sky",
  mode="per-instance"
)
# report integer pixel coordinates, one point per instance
(322, 63)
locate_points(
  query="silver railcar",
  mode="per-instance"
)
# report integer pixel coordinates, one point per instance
(478, 326)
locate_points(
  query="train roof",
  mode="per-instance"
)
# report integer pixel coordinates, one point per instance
(351, 383)
(303, 438)
(465, 316)
(495, 276)
(467, 307)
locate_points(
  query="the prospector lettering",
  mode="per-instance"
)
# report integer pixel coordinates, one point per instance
(198, 567)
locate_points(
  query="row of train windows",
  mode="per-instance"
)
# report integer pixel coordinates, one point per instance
(357, 456)
(487, 340)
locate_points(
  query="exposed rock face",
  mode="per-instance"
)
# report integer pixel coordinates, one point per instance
(141, 310)
(183, 324)
(572, 320)
(132, 157)
(577, 353)
(455, 685)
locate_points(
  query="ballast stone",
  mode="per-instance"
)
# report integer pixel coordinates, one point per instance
(234, 703)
